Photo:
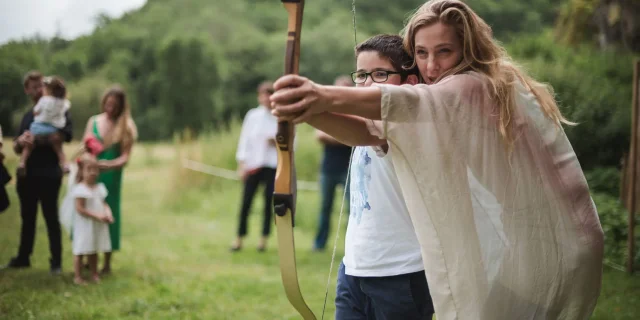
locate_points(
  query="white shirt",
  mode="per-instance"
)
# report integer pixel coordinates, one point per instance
(51, 110)
(254, 147)
(380, 238)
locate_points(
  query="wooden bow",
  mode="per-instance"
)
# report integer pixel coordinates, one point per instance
(284, 197)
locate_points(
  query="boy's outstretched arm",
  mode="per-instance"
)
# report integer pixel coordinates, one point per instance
(348, 129)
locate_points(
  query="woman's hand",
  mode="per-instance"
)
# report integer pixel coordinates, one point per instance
(298, 98)
(103, 165)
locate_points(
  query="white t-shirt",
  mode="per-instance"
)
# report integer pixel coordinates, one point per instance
(254, 148)
(51, 110)
(380, 238)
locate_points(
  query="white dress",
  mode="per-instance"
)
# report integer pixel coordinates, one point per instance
(90, 235)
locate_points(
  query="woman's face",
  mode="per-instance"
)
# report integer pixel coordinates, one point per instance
(111, 107)
(437, 49)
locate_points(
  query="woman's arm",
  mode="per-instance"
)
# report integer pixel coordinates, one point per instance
(363, 102)
(118, 162)
(311, 98)
(349, 130)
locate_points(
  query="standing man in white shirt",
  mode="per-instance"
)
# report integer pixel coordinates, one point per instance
(257, 159)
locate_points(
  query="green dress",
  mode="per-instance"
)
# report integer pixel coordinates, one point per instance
(112, 180)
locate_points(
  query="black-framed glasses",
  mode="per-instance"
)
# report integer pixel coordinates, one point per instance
(377, 76)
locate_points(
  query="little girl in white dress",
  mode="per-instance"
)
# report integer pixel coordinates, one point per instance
(91, 219)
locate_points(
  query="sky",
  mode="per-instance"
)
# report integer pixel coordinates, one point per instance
(25, 18)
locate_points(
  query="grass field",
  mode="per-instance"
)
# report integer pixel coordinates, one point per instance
(175, 261)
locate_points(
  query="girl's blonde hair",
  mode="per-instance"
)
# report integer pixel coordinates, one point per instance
(83, 160)
(483, 54)
(125, 130)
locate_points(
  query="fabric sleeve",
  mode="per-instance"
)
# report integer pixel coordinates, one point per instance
(81, 191)
(443, 103)
(102, 190)
(375, 128)
(39, 106)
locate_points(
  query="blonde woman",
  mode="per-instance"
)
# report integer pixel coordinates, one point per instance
(496, 195)
(117, 132)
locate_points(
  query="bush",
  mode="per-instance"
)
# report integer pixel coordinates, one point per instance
(614, 221)
(604, 180)
(592, 88)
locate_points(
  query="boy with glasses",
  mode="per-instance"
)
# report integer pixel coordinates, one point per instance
(382, 274)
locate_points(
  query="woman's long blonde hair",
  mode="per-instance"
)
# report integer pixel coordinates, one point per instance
(483, 54)
(125, 130)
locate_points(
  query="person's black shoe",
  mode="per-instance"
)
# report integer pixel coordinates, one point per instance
(14, 263)
(55, 268)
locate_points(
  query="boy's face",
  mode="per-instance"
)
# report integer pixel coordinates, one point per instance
(370, 61)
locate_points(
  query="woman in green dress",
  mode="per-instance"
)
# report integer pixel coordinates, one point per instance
(115, 129)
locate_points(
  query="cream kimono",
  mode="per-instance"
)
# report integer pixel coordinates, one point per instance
(504, 235)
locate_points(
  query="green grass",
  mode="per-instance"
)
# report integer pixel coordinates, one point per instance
(175, 262)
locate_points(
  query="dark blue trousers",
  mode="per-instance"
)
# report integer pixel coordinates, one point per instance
(403, 297)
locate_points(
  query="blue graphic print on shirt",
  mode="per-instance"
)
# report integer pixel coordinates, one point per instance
(360, 179)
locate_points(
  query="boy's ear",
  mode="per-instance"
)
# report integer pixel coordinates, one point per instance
(411, 79)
